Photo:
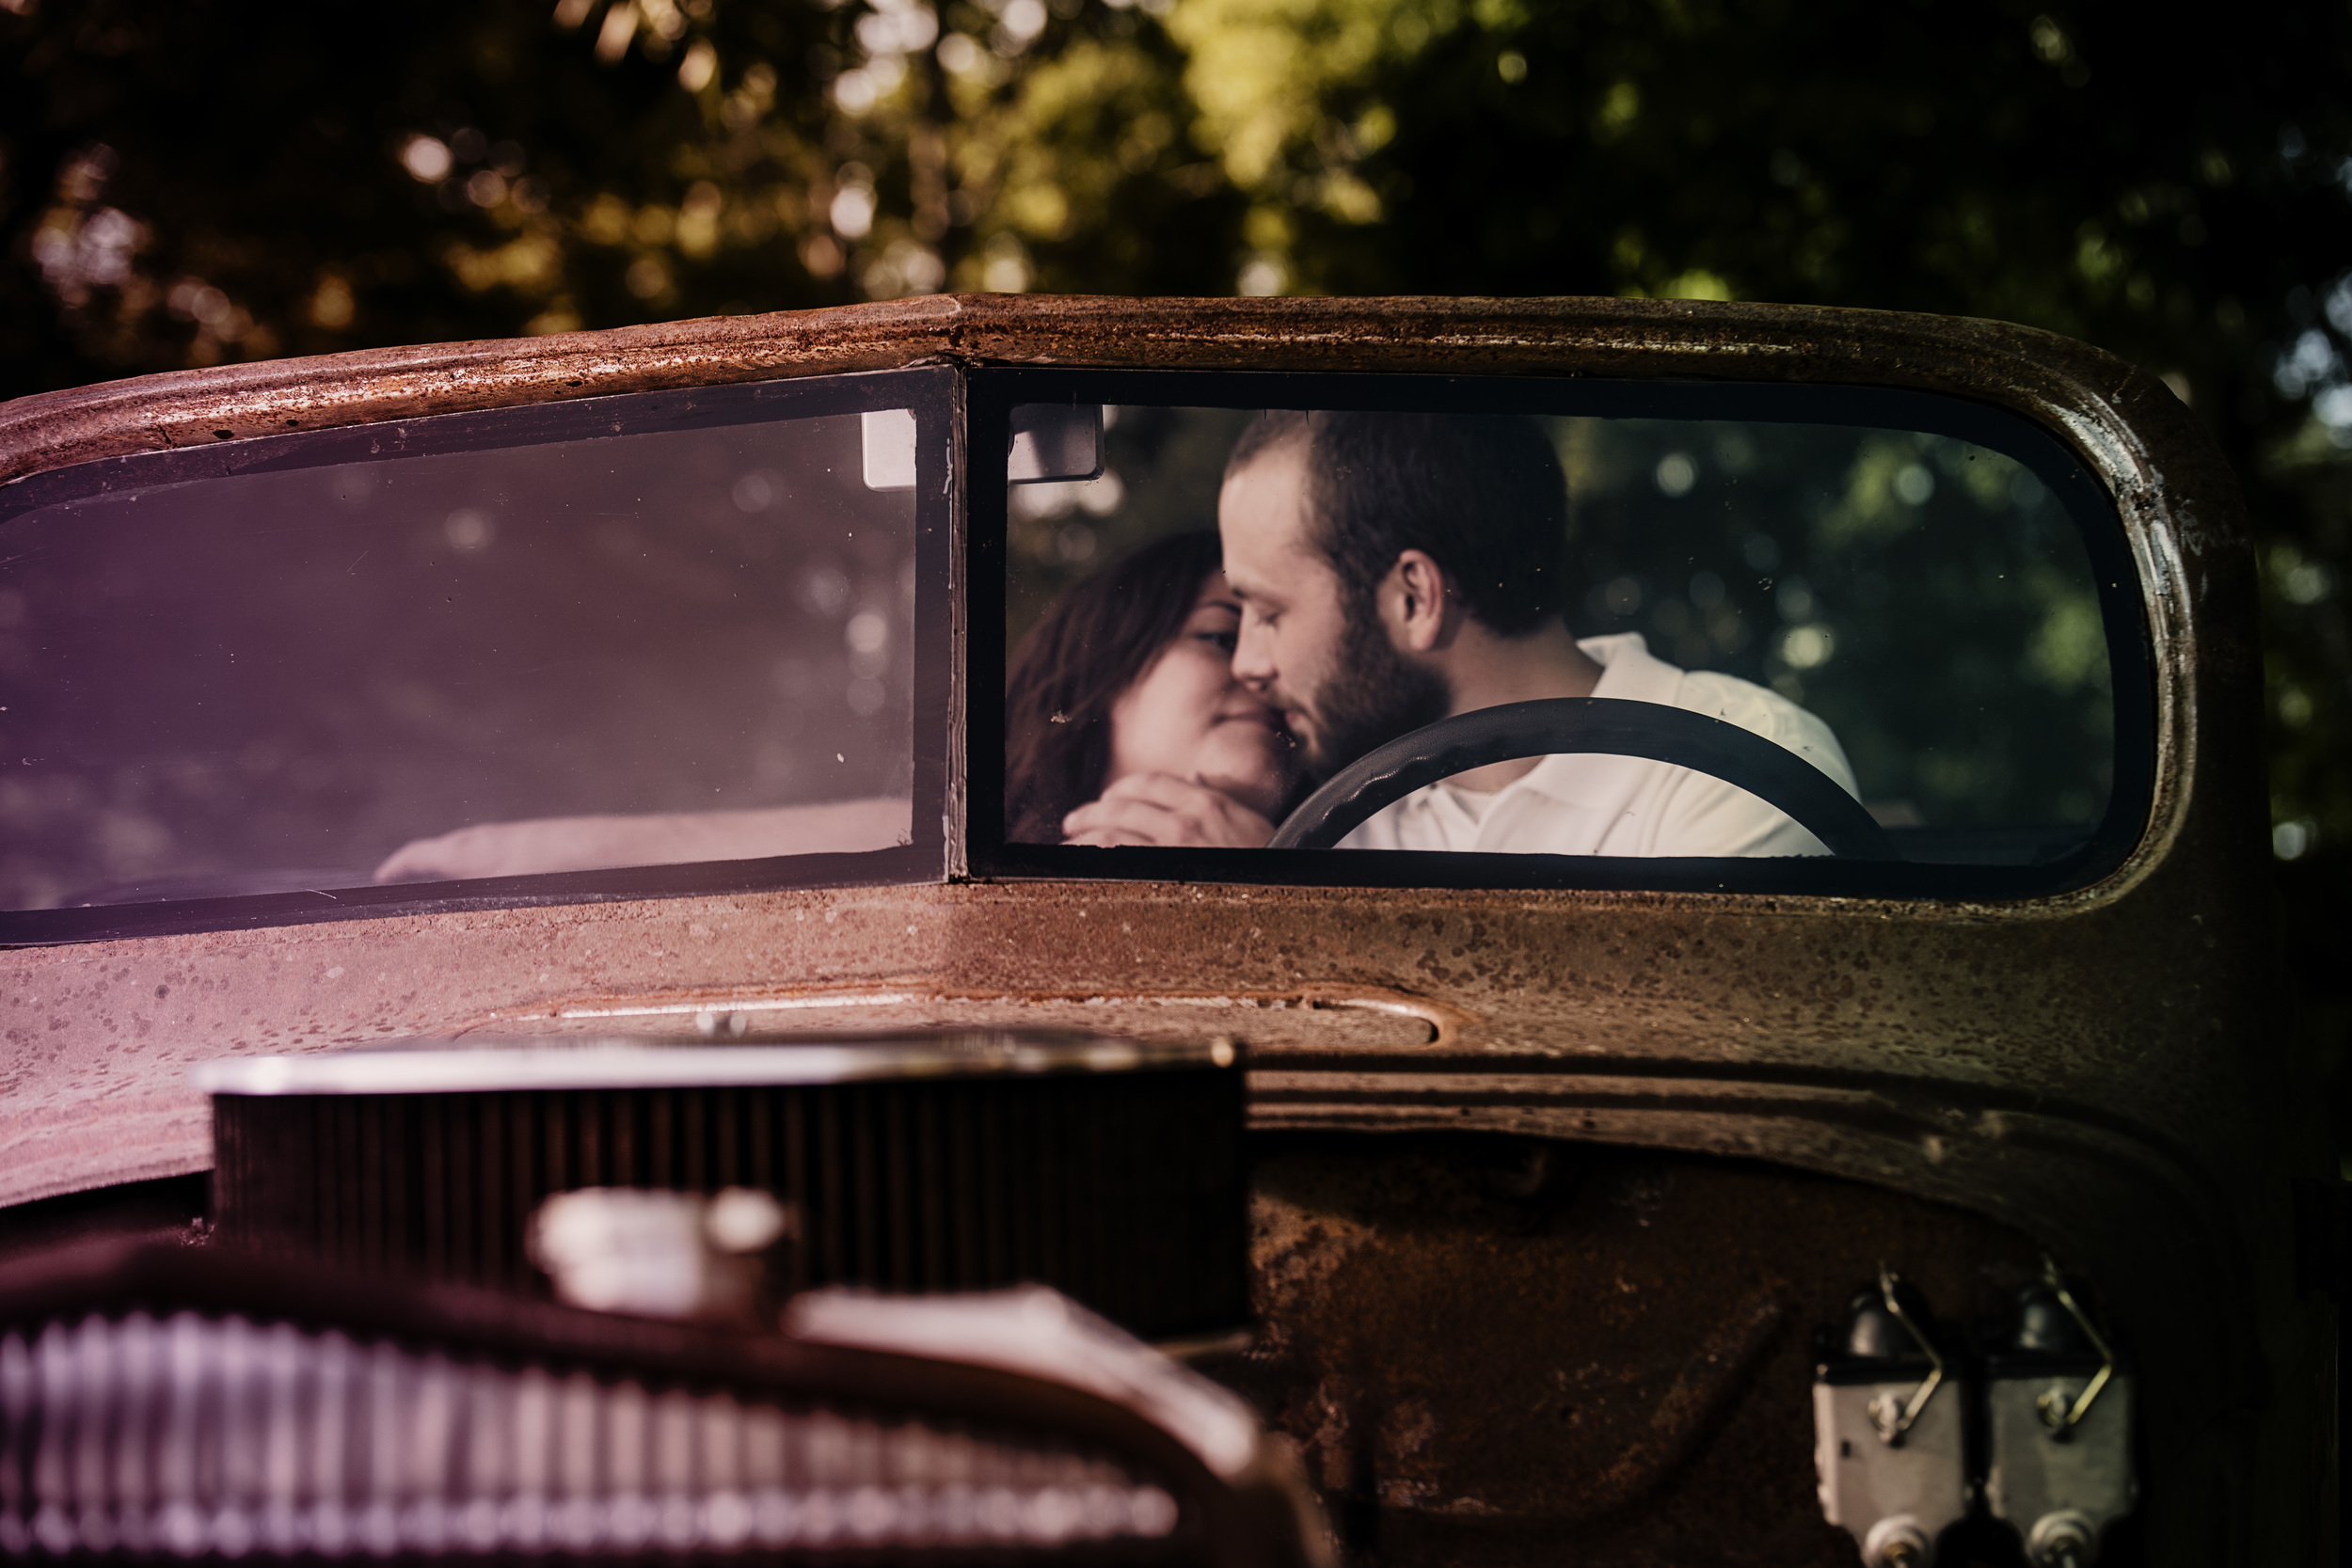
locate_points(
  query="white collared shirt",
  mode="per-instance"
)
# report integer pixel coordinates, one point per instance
(1581, 805)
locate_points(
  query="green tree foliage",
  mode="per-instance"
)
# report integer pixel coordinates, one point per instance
(207, 180)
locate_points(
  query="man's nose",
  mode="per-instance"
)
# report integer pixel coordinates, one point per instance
(1253, 653)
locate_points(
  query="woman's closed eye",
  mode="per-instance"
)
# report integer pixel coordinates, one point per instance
(1219, 624)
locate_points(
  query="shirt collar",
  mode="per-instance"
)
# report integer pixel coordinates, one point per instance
(1629, 672)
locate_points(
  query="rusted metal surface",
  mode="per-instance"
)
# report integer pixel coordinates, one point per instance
(200, 408)
(2105, 1071)
(1511, 1351)
(1595, 337)
(74, 1117)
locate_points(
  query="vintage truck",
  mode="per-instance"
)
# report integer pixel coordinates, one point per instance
(1931, 1200)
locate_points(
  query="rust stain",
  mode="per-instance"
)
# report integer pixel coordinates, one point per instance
(1487, 1349)
(1700, 1392)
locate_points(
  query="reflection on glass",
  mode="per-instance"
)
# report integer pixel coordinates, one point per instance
(1913, 616)
(640, 649)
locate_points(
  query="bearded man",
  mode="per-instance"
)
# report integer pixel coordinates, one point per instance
(1394, 569)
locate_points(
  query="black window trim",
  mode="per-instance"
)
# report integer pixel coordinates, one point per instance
(933, 392)
(992, 392)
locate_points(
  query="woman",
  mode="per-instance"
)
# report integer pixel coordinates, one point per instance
(1124, 723)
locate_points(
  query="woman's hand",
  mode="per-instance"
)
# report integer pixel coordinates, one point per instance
(1164, 810)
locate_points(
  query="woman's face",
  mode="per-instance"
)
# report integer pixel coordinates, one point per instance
(1186, 714)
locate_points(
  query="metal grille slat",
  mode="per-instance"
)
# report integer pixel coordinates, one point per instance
(218, 1435)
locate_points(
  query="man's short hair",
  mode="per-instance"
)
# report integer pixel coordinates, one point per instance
(1481, 495)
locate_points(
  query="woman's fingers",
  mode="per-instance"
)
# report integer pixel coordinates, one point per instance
(1122, 820)
(1105, 838)
(1162, 809)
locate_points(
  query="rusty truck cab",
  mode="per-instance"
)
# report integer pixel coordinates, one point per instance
(1629, 1207)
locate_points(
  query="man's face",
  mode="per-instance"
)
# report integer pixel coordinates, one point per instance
(1330, 668)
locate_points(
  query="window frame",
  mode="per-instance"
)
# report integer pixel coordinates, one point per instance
(993, 391)
(933, 392)
(962, 563)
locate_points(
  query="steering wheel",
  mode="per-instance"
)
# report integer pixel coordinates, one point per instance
(1609, 726)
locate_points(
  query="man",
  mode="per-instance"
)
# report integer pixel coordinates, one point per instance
(1394, 569)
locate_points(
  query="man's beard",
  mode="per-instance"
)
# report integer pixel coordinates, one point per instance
(1376, 695)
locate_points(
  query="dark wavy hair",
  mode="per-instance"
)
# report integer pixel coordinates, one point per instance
(1482, 495)
(1076, 663)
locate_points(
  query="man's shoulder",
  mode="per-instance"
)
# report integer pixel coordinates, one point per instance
(1740, 702)
(1766, 712)
(1631, 671)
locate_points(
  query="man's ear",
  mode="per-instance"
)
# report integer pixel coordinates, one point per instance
(1421, 614)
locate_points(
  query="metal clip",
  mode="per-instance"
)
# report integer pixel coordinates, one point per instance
(2058, 1413)
(1892, 1423)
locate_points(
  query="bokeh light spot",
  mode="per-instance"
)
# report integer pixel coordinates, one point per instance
(426, 159)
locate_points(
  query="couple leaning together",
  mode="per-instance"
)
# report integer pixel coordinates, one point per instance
(1369, 574)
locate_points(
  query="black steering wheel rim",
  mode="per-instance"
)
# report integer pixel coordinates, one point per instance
(1607, 726)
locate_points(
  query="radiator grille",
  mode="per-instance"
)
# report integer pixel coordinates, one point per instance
(1122, 1190)
(192, 1436)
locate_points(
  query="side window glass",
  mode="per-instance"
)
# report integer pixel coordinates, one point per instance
(1927, 598)
(543, 643)
(1708, 636)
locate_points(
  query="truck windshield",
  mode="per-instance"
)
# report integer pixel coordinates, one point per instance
(635, 632)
